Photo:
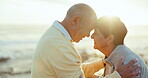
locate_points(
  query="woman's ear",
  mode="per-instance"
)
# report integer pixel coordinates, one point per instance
(110, 39)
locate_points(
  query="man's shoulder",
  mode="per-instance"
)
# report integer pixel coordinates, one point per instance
(53, 35)
(52, 32)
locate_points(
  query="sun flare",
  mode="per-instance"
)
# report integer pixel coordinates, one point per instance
(121, 8)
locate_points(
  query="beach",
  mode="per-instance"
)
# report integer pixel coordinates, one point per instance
(17, 44)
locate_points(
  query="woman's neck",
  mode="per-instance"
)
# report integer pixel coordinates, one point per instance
(108, 50)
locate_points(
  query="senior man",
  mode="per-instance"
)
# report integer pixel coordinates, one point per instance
(55, 55)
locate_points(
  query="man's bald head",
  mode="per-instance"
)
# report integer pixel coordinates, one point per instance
(81, 10)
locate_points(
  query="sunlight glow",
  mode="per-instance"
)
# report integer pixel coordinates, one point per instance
(120, 8)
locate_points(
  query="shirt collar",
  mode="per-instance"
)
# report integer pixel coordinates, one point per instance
(114, 52)
(62, 29)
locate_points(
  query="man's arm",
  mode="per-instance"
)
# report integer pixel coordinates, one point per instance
(92, 67)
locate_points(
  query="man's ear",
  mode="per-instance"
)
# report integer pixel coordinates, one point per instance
(76, 20)
(110, 39)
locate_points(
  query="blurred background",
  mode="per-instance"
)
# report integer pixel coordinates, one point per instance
(22, 22)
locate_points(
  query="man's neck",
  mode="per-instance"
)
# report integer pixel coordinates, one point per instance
(65, 25)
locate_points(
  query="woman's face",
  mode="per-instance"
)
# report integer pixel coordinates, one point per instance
(99, 40)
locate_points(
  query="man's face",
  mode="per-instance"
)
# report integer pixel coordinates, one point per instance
(99, 40)
(83, 30)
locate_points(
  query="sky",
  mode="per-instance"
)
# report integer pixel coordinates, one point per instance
(131, 12)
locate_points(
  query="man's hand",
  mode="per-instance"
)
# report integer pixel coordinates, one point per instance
(129, 70)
